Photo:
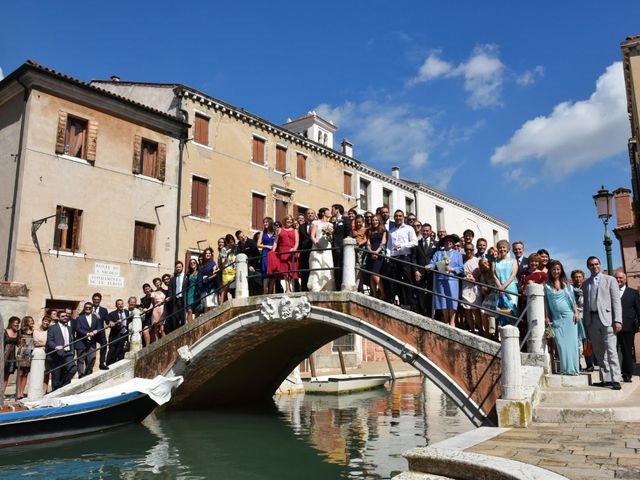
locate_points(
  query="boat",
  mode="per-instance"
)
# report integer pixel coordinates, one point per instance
(84, 413)
(344, 383)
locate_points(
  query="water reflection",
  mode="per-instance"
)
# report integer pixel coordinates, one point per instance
(312, 437)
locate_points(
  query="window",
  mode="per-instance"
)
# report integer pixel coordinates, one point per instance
(282, 209)
(496, 238)
(345, 343)
(76, 137)
(364, 194)
(149, 158)
(281, 159)
(201, 134)
(300, 210)
(408, 203)
(199, 196)
(301, 166)
(258, 151)
(347, 184)
(257, 211)
(67, 239)
(143, 242)
(386, 198)
(439, 218)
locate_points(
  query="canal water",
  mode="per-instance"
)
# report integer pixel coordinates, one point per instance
(308, 437)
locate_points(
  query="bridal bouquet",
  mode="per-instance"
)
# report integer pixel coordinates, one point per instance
(327, 233)
(442, 264)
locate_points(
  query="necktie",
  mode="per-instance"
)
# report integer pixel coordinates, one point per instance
(593, 295)
(65, 336)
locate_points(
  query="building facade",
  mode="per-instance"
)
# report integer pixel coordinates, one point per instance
(89, 178)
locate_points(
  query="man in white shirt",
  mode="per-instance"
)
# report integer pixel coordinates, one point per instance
(400, 243)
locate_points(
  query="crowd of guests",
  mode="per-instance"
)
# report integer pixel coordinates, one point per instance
(457, 279)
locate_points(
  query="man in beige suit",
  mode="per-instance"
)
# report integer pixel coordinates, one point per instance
(603, 320)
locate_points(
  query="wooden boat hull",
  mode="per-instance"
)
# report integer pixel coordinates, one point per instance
(340, 384)
(51, 423)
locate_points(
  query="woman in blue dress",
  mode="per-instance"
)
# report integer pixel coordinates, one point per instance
(447, 261)
(265, 243)
(562, 312)
(505, 270)
(207, 280)
(377, 237)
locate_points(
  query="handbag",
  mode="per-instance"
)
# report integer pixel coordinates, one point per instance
(588, 349)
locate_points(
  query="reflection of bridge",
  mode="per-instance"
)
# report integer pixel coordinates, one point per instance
(247, 347)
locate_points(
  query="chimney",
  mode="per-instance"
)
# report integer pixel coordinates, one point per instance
(115, 78)
(624, 211)
(395, 172)
(347, 147)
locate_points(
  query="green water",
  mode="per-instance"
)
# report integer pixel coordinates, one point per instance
(297, 437)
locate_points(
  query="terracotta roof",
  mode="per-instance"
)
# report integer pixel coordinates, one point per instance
(32, 64)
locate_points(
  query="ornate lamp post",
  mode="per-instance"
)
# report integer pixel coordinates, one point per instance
(63, 224)
(604, 205)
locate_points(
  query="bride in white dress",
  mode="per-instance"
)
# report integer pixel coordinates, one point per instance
(321, 280)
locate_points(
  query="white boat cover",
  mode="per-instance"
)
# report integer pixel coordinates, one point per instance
(158, 389)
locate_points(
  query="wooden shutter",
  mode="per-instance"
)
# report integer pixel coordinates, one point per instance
(162, 161)
(301, 167)
(143, 242)
(201, 134)
(137, 154)
(258, 151)
(92, 140)
(75, 228)
(61, 132)
(281, 159)
(281, 210)
(347, 183)
(199, 197)
(257, 211)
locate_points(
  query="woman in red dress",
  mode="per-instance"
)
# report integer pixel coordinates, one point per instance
(286, 242)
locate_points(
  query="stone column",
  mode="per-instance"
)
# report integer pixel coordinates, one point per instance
(36, 375)
(242, 276)
(511, 383)
(349, 265)
(535, 317)
(136, 332)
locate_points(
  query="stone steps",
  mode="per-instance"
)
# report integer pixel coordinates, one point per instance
(419, 476)
(586, 395)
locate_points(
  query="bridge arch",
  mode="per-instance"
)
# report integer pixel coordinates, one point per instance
(247, 349)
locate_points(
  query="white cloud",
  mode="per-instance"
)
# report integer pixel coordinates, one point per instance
(574, 135)
(483, 75)
(442, 178)
(389, 134)
(529, 77)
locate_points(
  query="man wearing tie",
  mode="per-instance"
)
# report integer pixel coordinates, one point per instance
(518, 253)
(118, 323)
(86, 327)
(60, 352)
(103, 314)
(421, 255)
(630, 300)
(603, 320)
(305, 243)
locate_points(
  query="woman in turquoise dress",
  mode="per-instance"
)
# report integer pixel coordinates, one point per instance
(193, 296)
(505, 270)
(448, 261)
(562, 312)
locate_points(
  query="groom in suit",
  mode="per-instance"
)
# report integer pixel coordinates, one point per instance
(603, 320)
(421, 255)
(630, 300)
(60, 349)
(305, 244)
(341, 230)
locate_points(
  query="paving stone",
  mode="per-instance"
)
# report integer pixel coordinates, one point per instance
(629, 461)
(547, 462)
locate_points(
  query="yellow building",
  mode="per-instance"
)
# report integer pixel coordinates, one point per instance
(103, 170)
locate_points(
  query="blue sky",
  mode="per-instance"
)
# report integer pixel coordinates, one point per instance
(516, 108)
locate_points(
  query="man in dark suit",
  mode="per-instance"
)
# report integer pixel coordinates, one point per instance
(174, 303)
(60, 352)
(118, 324)
(341, 230)
(247, 246)
(630, 300)
(304, 243)
(421, 255)
(517, 248)
(103, 314)
(86, 329)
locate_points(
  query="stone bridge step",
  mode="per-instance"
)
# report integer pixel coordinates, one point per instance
(582, 380)
(586, 396)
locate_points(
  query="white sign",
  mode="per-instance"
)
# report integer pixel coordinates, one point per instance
(107, 269)
(98, 280)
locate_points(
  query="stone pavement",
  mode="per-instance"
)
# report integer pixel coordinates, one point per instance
(577, 451)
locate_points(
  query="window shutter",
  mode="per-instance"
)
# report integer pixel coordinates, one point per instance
(137, 153)
(61, 132)
(347, 183)
(75, 238)
(57, 233)
(258, 151)
(257, 212)
(281, 159)
(92, 140)
(202, 198)
(301, 168)
(162, 161)
(201, 134)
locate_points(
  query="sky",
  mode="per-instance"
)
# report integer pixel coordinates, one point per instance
(518, 108)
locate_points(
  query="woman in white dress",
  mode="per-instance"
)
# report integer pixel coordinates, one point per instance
(321, 234)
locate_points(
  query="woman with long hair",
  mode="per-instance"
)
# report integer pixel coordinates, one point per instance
(146, 302)
(226, 262)
(265, 244)
(11, 341)
(360, 235)
(377, 238)
(157, 317)
(561, 312)
(285, 244)
(505, 270)
(40, 341)
(192, 296)
(207, 280)
(24, 354)
(321, 276)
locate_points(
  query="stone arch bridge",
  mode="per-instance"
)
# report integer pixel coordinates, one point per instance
(247, 347)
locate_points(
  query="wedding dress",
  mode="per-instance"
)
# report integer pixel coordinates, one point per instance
(321, 280)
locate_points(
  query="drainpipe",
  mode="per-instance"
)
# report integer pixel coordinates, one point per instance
(183, 141)
(27, 92)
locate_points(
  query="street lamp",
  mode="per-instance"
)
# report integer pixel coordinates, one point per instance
(604, 205)
(63, 224)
